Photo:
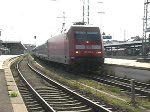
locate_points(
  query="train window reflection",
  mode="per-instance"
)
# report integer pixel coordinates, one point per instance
(87, 36)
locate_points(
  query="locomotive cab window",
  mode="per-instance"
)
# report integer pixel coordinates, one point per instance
(87, 36)
(80, 36)
(93, 36)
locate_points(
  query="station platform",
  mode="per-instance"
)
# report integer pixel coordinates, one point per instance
(128, 63)
(139, 71)
(8, 86)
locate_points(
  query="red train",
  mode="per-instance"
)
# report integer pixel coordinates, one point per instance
(80, 47)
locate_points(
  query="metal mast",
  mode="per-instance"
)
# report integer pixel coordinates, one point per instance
(146, 27)
(63, 24)
(83, 10)
(86, 11)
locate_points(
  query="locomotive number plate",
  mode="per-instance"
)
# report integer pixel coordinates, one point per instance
(88, 51)
(88, 47)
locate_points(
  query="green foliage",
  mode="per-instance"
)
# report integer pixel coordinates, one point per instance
(13, 94)
(114, 89)
(145, 103)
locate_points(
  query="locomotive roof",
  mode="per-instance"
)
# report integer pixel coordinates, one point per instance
(73, 26)
(83, 26)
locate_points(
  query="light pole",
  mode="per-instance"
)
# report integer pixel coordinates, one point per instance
(100, 13)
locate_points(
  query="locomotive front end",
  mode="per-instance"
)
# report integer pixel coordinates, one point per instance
(86, 48)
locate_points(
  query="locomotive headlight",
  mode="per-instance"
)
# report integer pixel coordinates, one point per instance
(77, 52)
(99, 52)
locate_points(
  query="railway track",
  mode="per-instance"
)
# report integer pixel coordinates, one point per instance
(141, 89)
(31, 102)
(43, 94)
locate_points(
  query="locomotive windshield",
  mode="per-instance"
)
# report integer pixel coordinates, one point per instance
(87, 36)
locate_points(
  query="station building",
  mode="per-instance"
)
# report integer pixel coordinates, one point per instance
(127, 49)
(134, 47)
(12, 48)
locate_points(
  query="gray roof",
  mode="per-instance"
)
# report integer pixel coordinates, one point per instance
(125, 43)
(14, 42)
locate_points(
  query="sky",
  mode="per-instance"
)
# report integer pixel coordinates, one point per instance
(21, 20)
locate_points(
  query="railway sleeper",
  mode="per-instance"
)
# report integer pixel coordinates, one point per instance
(68, 106)
(40, 111)
(146, 93)
(64, 102)
(56, 97)
(36, 108)
(47, 90)
(137, 94)
(26, 95)
(142, 96)
(51, 93)
(34, 105)
(21, 85)
(33, 102)
(44, 87)
(23, 89)
(24, 92)
(85, 110)
(29, 99)
(77, 108)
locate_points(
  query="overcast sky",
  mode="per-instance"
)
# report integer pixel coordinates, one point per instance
(21, 20)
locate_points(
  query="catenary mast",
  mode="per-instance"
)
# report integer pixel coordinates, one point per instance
(86, 12)
(146, 27)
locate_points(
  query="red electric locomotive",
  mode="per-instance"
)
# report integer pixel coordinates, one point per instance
(81, 47)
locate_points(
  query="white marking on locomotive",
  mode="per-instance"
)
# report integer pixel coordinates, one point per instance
(80, 46)
(96, 47)
(88, 47)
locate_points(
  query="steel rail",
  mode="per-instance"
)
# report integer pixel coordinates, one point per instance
(93, 105)
(125, 86)
(46, 106)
